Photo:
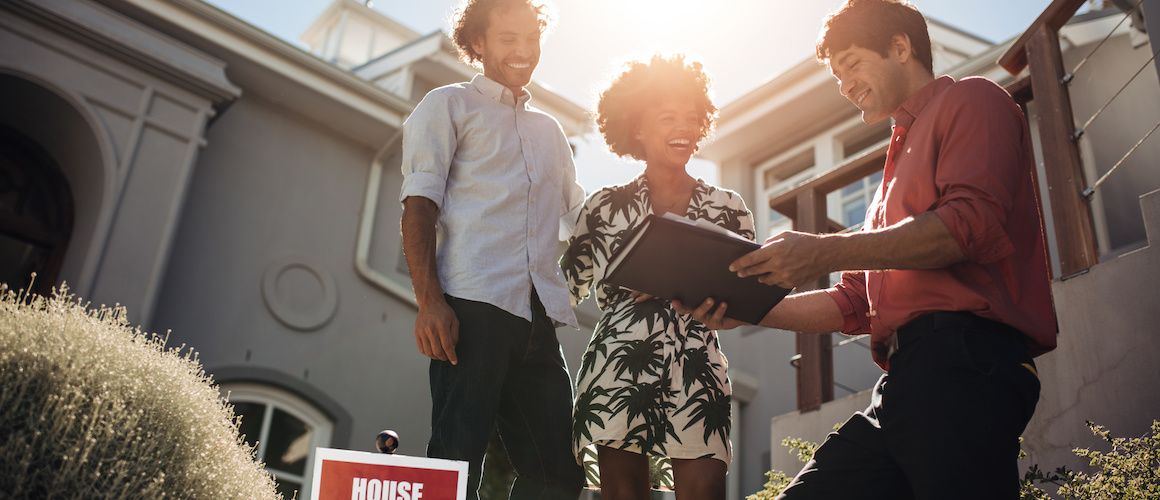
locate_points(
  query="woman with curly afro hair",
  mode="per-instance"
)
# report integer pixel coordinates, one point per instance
(653, 384)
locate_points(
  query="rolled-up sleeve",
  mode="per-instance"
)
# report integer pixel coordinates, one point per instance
(979, 170)
(429, 142)
(850, 296)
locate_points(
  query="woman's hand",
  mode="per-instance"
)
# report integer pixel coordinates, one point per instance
(638, 297)
(715, 321)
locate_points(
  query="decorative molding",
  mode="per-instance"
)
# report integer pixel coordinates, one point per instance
(300, 318)
(132, 43)
(228, 37)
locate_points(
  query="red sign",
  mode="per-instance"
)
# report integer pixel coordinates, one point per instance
(352, 475)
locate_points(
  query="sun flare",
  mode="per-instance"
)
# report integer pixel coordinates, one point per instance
(661, 25)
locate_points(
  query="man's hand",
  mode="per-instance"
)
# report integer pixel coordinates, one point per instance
(787, 260)
(715, 321)
(437, 331)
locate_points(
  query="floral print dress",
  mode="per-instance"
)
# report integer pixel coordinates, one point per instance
(651, 381)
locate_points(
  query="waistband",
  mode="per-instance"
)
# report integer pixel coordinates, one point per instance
(938, 320)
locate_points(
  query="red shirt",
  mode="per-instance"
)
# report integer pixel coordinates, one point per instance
(961, 150)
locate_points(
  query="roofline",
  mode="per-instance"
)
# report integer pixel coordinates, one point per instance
(958, 30)
(539, 91)
(799, 70)
(396, 50)
(407, 31)
(276, 55)
(802, 66)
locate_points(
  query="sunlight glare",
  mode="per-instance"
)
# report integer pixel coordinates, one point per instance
(662, 25)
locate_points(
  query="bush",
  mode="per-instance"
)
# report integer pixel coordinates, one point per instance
(777, 481)
(91, 407)
(1129, 470)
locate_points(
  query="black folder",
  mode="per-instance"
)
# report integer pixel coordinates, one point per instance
(676, 258)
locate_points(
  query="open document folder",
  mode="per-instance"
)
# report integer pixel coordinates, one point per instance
(672, 257)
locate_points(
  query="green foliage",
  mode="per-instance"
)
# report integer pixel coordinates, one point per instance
(1129, 470)
(777, 481)
(91, 407)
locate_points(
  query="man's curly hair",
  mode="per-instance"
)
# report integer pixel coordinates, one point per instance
(470, 21)
(641, 86)
(871, 24)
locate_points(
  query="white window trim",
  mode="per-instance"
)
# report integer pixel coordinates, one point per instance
(762, 228)
(829, 151)
(298, 408)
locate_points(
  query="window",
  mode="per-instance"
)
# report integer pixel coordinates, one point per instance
(854, 198)
(777, 176)
(861, 138)
(284, 429)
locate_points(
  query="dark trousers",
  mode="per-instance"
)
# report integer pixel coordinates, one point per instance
(944, 423)
(511, 377)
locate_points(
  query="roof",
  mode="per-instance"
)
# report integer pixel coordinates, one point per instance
(437, 48)
(257, 59)
(337, 6)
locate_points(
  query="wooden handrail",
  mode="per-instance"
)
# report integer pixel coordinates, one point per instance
(1053, 17)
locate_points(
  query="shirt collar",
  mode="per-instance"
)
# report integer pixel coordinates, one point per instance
(497, 92)
(904, 116)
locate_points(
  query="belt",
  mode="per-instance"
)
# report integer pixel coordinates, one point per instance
(937, 320)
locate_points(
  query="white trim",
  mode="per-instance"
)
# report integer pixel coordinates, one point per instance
(263, 50)
(366, 229)
(762, 228)
(110, 32)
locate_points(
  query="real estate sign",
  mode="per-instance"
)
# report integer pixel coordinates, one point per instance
(357, 475)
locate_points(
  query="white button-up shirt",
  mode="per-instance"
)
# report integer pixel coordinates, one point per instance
(501, 172)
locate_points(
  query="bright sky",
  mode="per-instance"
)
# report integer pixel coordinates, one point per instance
(742, 43)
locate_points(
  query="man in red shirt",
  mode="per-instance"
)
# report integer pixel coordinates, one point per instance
(948, 275)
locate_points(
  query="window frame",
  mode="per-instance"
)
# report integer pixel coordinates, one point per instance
(275, 398)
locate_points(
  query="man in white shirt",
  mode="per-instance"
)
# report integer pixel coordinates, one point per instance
(488, 177)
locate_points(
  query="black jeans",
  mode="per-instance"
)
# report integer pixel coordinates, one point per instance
(511, 377)
(943, 424)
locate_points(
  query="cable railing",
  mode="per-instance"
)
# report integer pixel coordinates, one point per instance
(1069, 76)
(1067, 79)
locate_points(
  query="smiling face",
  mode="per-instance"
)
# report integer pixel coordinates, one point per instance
(877, 85)
(669, 131)
(510, 48)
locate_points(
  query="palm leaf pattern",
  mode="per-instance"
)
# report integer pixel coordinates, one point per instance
(651, 381)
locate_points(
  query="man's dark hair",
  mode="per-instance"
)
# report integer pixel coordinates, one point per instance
(470, 21)
(641, 86)
(871, 24)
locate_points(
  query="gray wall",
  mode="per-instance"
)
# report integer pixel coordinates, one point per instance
(1105, 369)
(262, 273)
